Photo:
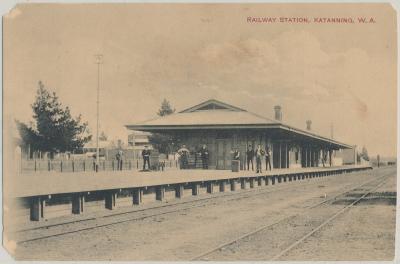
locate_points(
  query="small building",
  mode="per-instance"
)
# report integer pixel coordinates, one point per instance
(347, 156)
(90, 148)
(107, 150)
(137, 140)
(224, 127)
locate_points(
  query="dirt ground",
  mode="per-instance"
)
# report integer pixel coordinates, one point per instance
(365, 232)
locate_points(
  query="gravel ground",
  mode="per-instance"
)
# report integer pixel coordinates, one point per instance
(365, 232)
(187, 233)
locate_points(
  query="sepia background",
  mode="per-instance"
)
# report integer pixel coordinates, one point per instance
(334, 74)
(337, 75)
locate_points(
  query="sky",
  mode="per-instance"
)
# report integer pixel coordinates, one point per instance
(340, 74)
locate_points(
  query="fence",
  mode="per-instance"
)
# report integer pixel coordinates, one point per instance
(80, 165)
(89, 164)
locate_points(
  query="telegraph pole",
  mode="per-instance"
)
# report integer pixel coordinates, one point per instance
(99, 60)
(378, 158)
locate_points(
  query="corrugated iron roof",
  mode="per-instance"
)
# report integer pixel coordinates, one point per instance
(208, 117)
(225, 116)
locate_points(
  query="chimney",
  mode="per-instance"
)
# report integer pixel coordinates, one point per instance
(278, 113)
(308, 122)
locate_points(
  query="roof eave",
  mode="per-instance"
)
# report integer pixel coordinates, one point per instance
(306, 133)
(206, 126)
(150, 128)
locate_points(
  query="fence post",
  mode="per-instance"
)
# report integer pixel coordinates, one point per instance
(61, 165)
(137, 164)
(84, 165)
(104, 165)
(130, 165)
(73, 166)
(112, 164)
(35, 165)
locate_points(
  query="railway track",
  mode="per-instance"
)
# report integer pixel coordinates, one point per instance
(91, 222)
(243, 194)
(380, 181)
(236, 193)
(330, 219)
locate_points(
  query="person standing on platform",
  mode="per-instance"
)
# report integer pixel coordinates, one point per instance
(204, 157)
(268, 155)
(235, 160)
(121, 153)
(249, 157)
(119, 159)
(236, 154)
(146, 158)
(259, 154)
(184, 157)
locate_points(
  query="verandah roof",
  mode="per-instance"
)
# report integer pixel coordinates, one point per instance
(214, 114)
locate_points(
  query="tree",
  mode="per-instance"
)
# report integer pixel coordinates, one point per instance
(163, 142)
(103, 136)
(364, 153)
(54, 129)
(165, 109)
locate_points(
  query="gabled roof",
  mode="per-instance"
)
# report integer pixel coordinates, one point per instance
(213, 114)
(212, 104)
(205, 117)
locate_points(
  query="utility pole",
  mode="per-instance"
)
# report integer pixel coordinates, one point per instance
(378, 158)
(99, 60)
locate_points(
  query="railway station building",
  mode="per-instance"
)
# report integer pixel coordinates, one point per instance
(223, 127)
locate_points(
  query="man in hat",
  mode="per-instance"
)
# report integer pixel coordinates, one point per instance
(204, 157)
(146, 157)
(184, 157)
(119, 157)
(259, 154)
(236, 154)
(249, 157)
(267, 158)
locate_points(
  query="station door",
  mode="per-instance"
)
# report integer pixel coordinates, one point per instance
(223, 149)
(280, 155)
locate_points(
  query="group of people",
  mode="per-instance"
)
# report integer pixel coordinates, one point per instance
(184, 153)
(259, 154)
(203, 153)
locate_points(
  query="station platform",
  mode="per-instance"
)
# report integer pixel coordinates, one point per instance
(49, 183)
